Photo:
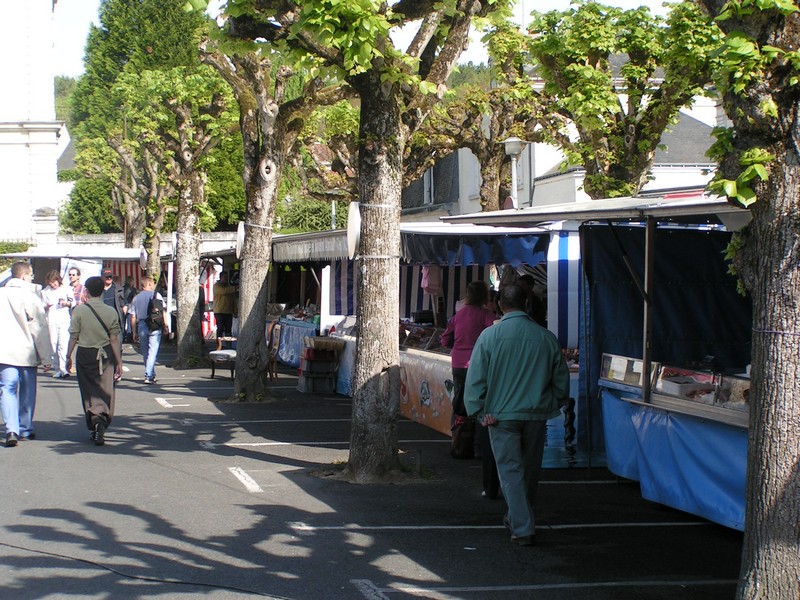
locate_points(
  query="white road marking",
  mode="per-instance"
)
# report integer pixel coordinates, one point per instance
(248, 482)
(300, 526)
(234, 423)
(166, 404)
(372, 592)
(212, 445)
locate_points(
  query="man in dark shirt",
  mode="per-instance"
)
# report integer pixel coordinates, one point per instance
(113, 295)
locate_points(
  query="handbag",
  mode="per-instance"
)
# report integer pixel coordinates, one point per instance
(462, 443)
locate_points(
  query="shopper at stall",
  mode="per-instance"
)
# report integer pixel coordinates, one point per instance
(517, 378)
(461, 334)
(95, 330)
(58, 301)
(224, 305)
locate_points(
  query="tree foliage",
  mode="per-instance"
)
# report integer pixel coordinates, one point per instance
(619, 112)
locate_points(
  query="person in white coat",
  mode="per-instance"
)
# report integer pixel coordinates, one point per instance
(58, 302)
(26, 343)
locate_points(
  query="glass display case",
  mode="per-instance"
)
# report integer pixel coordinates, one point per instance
(701, 393)
(422, 338)
(623, 369)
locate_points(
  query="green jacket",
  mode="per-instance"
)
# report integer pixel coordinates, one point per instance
(517, 372)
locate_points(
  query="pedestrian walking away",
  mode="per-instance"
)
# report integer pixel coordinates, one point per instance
(95, 331)
(26, 344)
(516, 380)
(147, 321)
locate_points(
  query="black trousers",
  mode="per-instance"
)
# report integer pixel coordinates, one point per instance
(224, 324)
(97, 387)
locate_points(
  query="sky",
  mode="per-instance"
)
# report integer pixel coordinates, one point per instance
(73, 17)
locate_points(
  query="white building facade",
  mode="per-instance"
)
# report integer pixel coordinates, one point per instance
(31, 140)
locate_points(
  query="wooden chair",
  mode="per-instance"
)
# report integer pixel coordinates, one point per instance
(223, 356)
(273, 347)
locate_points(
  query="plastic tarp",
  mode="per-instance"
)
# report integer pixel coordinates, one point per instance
(692, 464)
(697, 310)
(292, 340)
(421, 248)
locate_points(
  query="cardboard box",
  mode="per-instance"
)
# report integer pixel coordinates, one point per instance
(316, 385)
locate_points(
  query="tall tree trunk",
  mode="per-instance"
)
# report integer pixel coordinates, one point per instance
(376, 377)
(190, 338)
(252, 382)
(770, 557)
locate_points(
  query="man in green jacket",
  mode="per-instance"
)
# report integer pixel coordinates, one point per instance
(516, 380)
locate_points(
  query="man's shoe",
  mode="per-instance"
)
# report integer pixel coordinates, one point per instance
(149, 380)
(57, 375)
(99, 433)
(524, 540)
(30, 436)
(11, 439)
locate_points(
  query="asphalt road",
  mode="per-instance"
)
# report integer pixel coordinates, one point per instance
(196, 498)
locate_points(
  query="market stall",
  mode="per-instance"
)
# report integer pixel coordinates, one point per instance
(665, 345)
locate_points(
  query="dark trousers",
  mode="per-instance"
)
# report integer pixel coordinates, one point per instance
(483, 446)
(224, 324)
(459, 380)
(97, 387)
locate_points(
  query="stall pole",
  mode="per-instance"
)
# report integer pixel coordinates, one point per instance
(649, 254)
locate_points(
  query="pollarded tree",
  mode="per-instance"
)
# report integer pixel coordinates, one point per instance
(270, 122)
(179, 116)
(133, 35)
(397, 91)
(479, 118)
(760, 169)
(619, 115)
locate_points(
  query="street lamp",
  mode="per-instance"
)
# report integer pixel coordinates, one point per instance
(513, 147)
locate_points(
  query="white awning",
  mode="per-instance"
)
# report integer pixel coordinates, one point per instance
(308, 247)
(697, 207)
(79, 252)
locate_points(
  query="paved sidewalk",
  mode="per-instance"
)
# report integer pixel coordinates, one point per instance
(192, 498)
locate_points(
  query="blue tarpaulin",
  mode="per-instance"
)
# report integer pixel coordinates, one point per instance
(692, 464)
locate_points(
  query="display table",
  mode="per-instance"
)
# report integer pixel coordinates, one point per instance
(681, 460)
(292, 337)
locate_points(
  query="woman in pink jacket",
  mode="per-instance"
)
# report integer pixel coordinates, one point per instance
(461, 334)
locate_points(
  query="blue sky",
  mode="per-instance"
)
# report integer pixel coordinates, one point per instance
(73, 17)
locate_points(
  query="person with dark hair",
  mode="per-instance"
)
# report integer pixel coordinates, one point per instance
(95, 330)
(58, 301)
(462, 332)
(113, 295)
(534, 306)
(224, 305)
(26, 343)
(145, 332)
(78, 292)
(517, 379)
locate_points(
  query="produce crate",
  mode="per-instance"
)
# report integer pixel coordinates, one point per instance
(307, 383)
(314, 354)
(324, 343)
(318, 366)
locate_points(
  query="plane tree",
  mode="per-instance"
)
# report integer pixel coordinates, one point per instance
(270, 120)
(178, 116)
(396, 89)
